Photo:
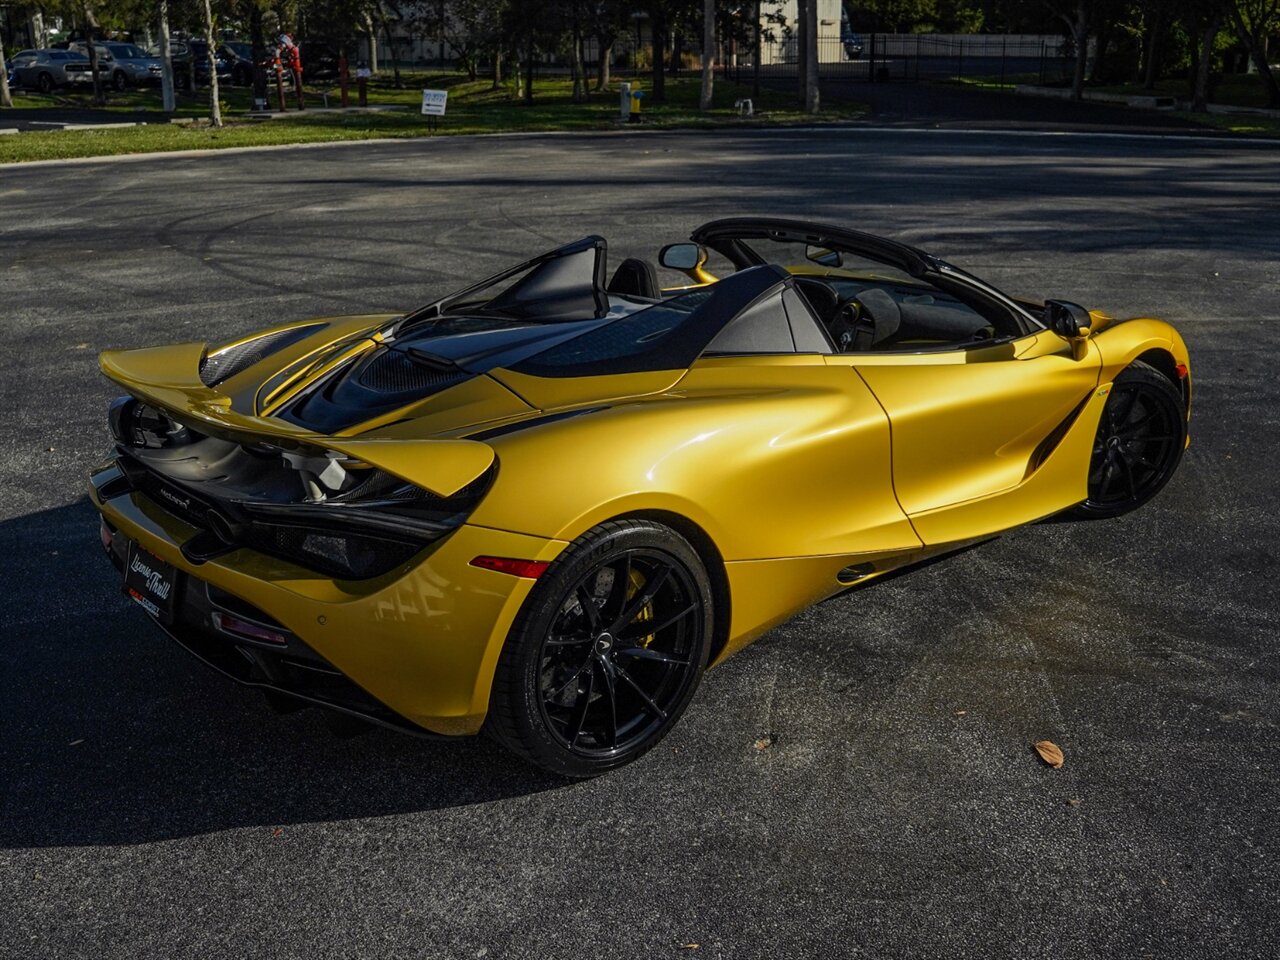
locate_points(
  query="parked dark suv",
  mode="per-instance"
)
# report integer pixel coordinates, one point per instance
(189, 53)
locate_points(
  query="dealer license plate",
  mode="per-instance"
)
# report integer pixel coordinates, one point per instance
(151, 583)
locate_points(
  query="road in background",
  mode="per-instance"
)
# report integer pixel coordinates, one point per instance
(149, 807)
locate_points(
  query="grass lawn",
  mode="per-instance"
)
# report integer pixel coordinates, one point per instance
(995, 82)
(1233, 90)
(1241, 123)
(473, 108)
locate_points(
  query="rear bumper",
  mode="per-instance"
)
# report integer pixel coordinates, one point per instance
(413, 649)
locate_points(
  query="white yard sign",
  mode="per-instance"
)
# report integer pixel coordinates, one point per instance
(433, 102)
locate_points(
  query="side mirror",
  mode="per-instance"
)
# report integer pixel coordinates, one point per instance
(1068, 320)
(687, 257)
(823, 256)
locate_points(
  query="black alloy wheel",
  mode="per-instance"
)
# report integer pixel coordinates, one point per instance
(607, 652)
(120, 81)
(44, 83)
(1140, 439)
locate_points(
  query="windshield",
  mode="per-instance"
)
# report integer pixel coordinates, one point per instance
(126, 51)
(793, 256)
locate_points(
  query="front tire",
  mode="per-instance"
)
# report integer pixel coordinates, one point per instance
(607, 651)
(44, 83)
(1139, 443)
(120, 81)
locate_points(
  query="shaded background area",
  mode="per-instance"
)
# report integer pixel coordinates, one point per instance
(149, 807)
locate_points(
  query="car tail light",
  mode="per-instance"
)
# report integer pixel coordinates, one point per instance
(529, 569)
(247, 629)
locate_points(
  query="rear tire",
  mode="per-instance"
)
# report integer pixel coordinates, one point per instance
(1139, 444)
(580, 687)
(120, 81)
(44, 83)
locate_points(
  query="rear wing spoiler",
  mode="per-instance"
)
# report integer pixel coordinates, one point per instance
(168, 378)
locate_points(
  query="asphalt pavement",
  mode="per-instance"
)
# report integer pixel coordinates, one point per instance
(150, 808)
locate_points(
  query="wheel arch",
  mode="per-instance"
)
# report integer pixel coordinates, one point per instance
(704, 546)
(1164, 362)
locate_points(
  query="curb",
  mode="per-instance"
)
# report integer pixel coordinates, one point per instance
(843, 129)
(1141, 101)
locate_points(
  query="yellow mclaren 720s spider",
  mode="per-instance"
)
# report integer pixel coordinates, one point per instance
(542, 506)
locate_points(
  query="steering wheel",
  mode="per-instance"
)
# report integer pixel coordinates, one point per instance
(852, 327)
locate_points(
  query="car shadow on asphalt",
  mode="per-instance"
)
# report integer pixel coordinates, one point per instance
(112, 734)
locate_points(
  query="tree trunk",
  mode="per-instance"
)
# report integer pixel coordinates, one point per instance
(604, 44)
(6, 99)
(258, 40)
(758, 34)
(659, 38)
(579, 66)
(528, 67)
(802, 48)
(1101, 38)
(497, 69)
(91, 38)
(373, 44)
(1152, 52)
(708, 54)
(1204, 63)
(395, 60)
(1256, 41)
(215, 107)
(811, 91)
(1080, 33)
(166, 60)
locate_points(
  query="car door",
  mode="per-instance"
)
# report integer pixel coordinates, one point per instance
(985, 437)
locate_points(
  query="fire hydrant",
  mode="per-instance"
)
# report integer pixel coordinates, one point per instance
(630, 103)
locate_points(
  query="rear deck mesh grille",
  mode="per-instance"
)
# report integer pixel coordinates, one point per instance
(224, 364)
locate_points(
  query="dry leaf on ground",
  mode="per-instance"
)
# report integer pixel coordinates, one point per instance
(763, 743)
(1050, 753)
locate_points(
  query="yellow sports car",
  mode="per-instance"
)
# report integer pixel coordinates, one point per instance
(543, 505)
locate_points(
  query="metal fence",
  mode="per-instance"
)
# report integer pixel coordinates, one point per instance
(885, 57)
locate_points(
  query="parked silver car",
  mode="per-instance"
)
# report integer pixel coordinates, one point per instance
(46, 69)
(131, 66)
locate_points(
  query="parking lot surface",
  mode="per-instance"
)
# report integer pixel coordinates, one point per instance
(860, 782)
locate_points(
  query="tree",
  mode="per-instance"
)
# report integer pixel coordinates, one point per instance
(810, 41)
(6, 99)
(91, 42)
(1254, 22)
(606, 22)
(1154, 16)
(1202, 19)
(215, 106)
(379, 12)
(1077, 15)
(708, 53)
(166, 59)
(658, 27)
(905, 16)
